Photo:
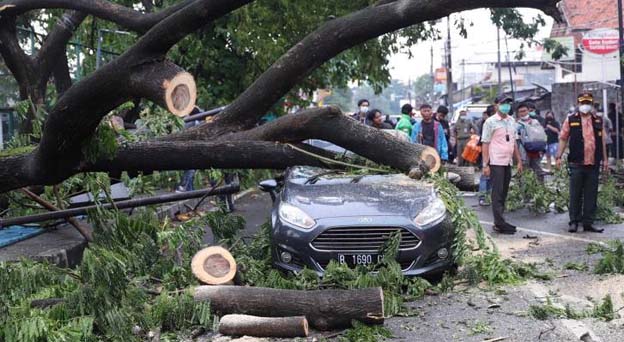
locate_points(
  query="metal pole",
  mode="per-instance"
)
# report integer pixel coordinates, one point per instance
(139, 202)
(500, 82)
(449, 67)
(432, 77)
(511, 82)
(617, 115)
(98, 54)
(1, 131)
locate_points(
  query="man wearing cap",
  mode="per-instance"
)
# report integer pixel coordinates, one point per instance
(583, 131)
(499, 148)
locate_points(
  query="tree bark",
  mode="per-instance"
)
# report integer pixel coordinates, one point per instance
(330, 124)
(165, 84)
(121, 15)
(468, 179)
(246, 325)
(214, 265)
(324, 309)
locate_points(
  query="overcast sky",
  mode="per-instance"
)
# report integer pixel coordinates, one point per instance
(480, 46)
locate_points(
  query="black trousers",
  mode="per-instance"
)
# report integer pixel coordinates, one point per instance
(583, 193)
(500, 176)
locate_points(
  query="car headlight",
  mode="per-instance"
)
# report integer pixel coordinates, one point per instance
(434, 212)
(295, 216)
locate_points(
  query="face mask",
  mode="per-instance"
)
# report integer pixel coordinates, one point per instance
(526, 118)
(586, 108)
(505, 108)
(363, 109)
(532, 114)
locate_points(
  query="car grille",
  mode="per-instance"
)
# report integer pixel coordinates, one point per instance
(362, 239)
(405, 264)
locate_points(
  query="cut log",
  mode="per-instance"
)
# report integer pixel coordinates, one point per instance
(469, 180)
(324, 309)
(167, 85)
(246, 325)
(214, 266)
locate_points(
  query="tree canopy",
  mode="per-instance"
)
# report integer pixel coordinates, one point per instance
(248, 54)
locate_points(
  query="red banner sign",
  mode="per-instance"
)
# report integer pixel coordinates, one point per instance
(601, 41)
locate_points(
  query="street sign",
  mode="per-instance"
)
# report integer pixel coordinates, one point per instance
(601, 41)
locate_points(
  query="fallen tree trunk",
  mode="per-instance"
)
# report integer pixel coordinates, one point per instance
(214, 265)
(468, 181)
(246, 325)
(324, 309)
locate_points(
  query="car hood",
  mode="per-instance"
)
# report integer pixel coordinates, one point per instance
(377, 195)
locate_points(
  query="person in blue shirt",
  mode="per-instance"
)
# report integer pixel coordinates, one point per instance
(429, 132)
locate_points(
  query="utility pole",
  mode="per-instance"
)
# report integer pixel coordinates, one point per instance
(500, 82)
(463, 79)
(431, 74)
(511, 81)
(617, 115)
(449, 66)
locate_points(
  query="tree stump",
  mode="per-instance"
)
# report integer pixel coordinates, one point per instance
(324, 309)
(214, 266)
(246, 325)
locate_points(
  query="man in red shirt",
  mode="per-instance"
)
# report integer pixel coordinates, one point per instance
(584, 131)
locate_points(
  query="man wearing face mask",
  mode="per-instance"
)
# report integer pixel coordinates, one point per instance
(360, 116)
(531, 147)
(499, 148)
(583, 131)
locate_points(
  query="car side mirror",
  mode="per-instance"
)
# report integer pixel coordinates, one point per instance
(268, 185)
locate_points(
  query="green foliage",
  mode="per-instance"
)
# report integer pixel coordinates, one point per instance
(612, 260)
(225, 228)
(603, 310)
(576, 266)
(480, 328)
(609, 198)
(101, 145)
(132, 275)
(555, 49)
(364, 333)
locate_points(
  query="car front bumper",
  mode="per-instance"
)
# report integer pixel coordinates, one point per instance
(418, 259)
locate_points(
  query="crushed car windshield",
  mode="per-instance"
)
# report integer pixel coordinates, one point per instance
(312, 179)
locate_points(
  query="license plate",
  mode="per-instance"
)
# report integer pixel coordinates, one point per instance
(359, 259)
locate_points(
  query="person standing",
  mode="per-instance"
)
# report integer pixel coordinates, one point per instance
(584, 132)
(441, 114)
(463, 129)
(430, 132)
(376, 119)
(360, 115)
(531, 149)
(614, 116)
(485, 184)
(405, 125)
(499, 149)
(552, 134)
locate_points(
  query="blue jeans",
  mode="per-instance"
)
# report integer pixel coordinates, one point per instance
(485, 186)
(187, 180)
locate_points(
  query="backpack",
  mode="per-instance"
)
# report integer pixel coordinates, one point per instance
(533, 136)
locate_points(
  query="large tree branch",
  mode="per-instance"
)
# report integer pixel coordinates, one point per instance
(204, 155)
(19, 63)
(77, 114)
(55, 45)
(329, 40)
(331, 125)
(121, 15)
(185, 21)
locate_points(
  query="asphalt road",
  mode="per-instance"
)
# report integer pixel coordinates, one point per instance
(481, 313)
